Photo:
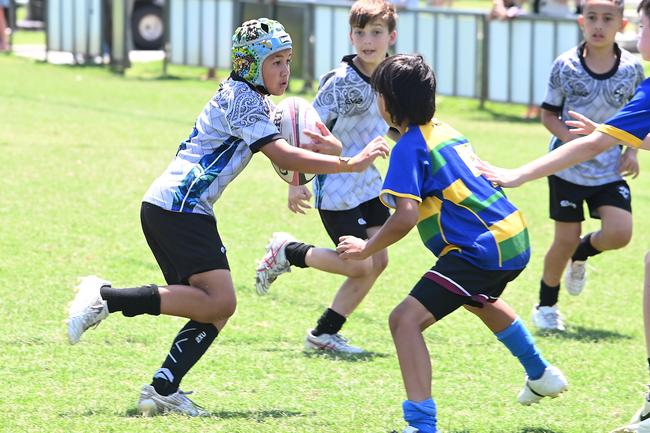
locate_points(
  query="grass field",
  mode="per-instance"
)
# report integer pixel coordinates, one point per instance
(78, 148)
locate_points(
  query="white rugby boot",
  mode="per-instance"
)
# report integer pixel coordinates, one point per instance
(575, 277)
(330, 342)
(151, 403)
(640, 422)
(88, 308)
(274, 263)
(551, 384)
(548, 318)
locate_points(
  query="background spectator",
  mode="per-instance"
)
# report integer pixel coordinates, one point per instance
(4, 37)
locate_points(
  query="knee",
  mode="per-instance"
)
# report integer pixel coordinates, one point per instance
(618, 238)
(397, 319)
(393, 320)
(360, 268)
(219, 308)
(227, 306)
(566, 243)
(379, 263)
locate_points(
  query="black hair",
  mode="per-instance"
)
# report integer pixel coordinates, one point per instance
(408, 86)
(644, 7)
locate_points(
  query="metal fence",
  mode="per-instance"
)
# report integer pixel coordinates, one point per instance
(506, 61)
(199, 32)
(75, 26)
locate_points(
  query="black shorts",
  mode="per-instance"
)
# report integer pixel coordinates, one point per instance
(184, 244)
(355, 221)
(566, 199)
(454, 282)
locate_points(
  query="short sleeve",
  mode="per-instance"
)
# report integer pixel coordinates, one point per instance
(249, 118)
(405, 175)
(554, 98)
(325, 102)
(631, 124)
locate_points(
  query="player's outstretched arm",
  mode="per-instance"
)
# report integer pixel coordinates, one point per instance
(398, 225)
(297, 159)
(576, 151)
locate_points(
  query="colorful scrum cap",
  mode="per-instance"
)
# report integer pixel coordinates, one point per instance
(253, 42)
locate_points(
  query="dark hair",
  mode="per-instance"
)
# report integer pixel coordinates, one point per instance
(366, 11)
(408, 86)
(644, 7)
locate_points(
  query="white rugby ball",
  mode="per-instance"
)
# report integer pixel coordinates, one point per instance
(293, 115)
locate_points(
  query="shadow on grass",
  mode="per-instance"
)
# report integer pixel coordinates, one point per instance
(255, 415)
(349, 357)
(538, 430)
(499, 116)
(581, 333)
(523, 430)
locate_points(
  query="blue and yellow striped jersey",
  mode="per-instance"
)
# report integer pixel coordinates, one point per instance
(461, 212)
(631, 125)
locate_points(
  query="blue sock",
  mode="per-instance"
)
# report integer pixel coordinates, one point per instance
(421, 415)
(522, 345)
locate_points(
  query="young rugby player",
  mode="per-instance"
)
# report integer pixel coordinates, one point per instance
(630, 126)
(348, 204)
(596, 78)
(479, 237)
(179, 222)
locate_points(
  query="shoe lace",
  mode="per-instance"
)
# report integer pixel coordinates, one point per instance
(578, 271)
(552, 317)
(187, 400)
(88, 319)
(340, 339)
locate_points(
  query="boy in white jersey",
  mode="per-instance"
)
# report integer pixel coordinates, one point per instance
(596, 78)
(630, 126)
(177, 214)
(348, 204)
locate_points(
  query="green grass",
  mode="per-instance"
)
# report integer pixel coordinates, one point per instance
(78, 148)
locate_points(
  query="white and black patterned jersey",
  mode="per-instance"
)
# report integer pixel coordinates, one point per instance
(233, 125)
(573, 86)
(347, 105)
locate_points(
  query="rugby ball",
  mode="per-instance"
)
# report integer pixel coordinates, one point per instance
(291, 116)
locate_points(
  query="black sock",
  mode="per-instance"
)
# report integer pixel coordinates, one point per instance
(548, 295)
(330, 322)
(189, 345)
(585, 249)
(296, 252)
(134, 301)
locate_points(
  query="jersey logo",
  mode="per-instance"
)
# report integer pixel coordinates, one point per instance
(468, 156)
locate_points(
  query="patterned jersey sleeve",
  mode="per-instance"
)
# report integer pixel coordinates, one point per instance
(631, 125)
(404, 177)
(554, 99)
(325, 103)
(640, 74)
(249, 118)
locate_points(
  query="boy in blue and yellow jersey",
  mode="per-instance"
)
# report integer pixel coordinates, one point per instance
(479, 237)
